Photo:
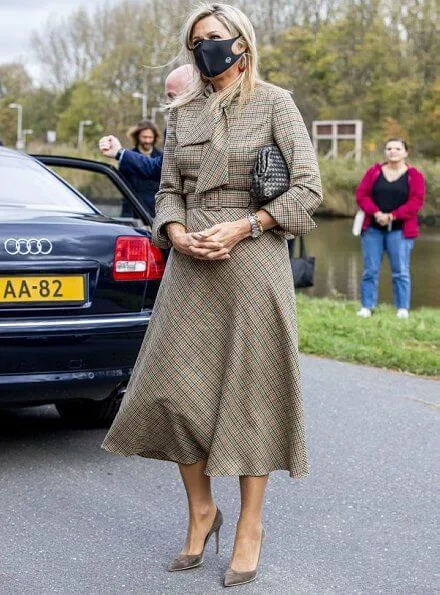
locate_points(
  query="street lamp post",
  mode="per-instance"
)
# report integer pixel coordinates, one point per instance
(144, 97)
(25, 133)
(19, 144)
(81, 131)
(154, 112)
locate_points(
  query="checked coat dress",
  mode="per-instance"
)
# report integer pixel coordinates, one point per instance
(217, 377)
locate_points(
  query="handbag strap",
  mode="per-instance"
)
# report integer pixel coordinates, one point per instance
(302, 248)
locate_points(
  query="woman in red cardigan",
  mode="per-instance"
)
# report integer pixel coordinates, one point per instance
(391, 194)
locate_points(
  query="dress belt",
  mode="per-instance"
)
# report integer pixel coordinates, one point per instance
(216, 199)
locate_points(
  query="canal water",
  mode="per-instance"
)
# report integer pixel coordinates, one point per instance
(339, 264)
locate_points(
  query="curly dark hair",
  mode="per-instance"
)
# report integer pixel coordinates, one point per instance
(144, 125)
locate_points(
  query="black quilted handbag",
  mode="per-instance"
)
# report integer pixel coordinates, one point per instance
(270, 175)
(303, 267)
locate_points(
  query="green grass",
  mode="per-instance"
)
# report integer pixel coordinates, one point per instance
(330, 328)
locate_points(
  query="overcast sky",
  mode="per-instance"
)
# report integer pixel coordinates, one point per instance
(18, 18)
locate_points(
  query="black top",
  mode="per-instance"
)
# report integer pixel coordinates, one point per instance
(388, 196)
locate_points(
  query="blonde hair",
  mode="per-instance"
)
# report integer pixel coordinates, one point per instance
(238, 24)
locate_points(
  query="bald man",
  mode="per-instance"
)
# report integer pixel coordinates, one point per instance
(132, 163)
(178, 80)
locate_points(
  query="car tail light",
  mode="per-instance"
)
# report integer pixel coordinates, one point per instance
(137, 259)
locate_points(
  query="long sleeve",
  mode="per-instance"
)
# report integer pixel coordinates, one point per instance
(416, 197)
(170, 202)
(293, 209)
(363, 193)
(133, 163)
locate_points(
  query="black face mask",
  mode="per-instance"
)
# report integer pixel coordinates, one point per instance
(214, 56)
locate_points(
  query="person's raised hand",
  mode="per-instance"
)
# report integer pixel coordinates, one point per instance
(109, 145)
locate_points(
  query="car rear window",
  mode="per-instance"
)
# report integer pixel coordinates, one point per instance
(27, 184)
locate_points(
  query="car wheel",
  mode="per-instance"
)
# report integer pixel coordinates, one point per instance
(91, 414)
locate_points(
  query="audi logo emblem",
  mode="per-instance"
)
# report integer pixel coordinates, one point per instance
(31, 246)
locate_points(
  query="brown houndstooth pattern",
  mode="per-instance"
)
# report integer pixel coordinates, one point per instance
(217, 377)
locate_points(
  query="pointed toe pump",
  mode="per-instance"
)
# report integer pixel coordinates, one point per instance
(187, 561)
(234, 578)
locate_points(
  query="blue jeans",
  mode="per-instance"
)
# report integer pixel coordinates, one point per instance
(374, 243)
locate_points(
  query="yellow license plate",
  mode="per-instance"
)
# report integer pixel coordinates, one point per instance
(56, 288)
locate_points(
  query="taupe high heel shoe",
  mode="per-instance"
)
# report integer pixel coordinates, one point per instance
(187, 561)
(234, 578)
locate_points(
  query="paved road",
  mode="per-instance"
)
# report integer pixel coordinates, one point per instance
(76, 520)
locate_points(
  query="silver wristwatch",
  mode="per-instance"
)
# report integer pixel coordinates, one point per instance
(256, 226)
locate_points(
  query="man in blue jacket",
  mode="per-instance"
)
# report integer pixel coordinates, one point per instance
(135, 166)
(145, 136)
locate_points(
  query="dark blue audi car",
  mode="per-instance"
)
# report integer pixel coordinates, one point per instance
(77, 284)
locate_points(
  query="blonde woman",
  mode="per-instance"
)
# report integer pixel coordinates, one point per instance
(216, 386)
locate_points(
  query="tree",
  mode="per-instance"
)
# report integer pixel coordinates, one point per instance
(376, 60)
(85, 104)
(293, 63)
(15, 81)
(427, 133)
(15, 84)
(40, 109)
(71, 48)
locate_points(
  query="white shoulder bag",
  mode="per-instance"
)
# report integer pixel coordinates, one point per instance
(358, 222)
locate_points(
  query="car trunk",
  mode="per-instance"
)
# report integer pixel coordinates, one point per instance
(72, 279)
(76, 286)
(62, 265)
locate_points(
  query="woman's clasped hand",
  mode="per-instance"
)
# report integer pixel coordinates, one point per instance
(214, 243)
(383, 218)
